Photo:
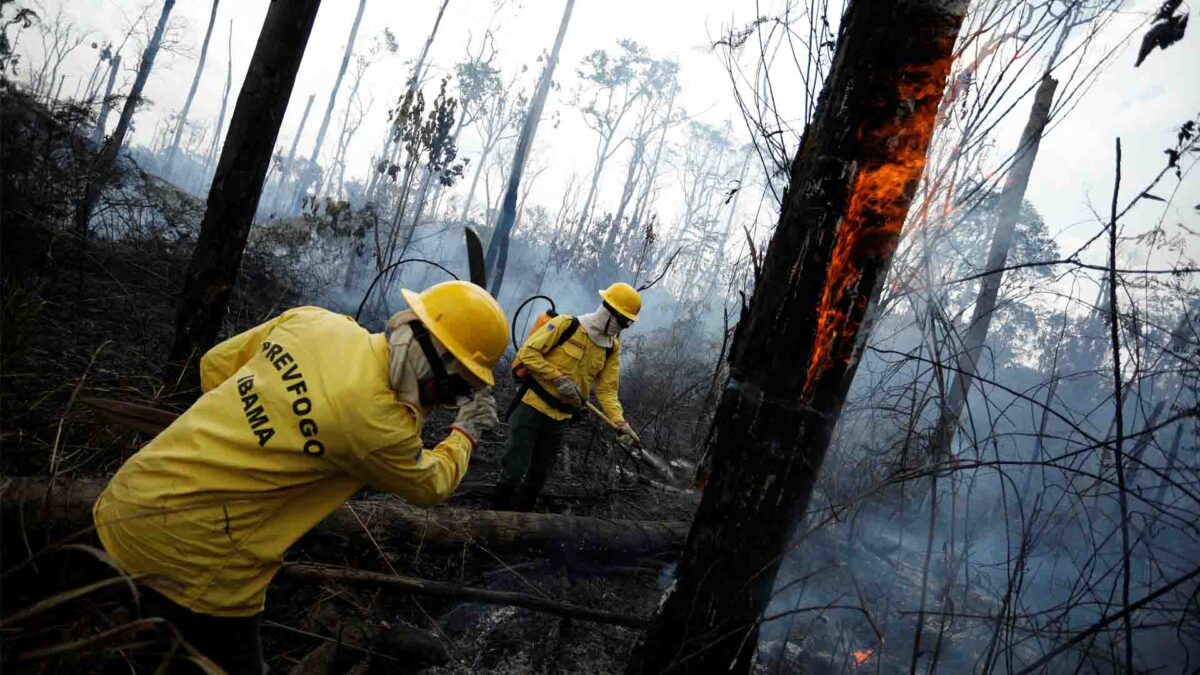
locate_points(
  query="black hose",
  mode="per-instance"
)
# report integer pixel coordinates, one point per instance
(390, 268)
(552, 312)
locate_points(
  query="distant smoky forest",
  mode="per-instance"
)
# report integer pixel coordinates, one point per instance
(994, 467)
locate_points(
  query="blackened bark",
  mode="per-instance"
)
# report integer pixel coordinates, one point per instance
(238, 182)
(851, 185)
(187, 103)
(497, 253)
(102, 169)
(1007, 213)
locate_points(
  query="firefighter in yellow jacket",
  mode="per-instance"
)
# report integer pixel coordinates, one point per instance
(563, 359)
(297, 415)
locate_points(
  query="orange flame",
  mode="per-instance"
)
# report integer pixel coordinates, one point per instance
(861, 656)
(878, 205)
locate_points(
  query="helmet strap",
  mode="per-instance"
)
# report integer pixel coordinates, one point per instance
(443, 387)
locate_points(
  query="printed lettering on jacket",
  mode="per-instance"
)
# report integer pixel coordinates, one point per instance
(302, 405)
(256, 415)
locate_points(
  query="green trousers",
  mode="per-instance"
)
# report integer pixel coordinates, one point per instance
(529, 455)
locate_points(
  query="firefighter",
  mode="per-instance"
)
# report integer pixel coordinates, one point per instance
(296, 416)
(562, 360)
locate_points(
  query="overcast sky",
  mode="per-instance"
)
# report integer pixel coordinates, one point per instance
(1074, 171)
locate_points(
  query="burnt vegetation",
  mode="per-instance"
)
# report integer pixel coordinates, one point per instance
(896, 418)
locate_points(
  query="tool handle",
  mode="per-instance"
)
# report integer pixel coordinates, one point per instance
(611, 425)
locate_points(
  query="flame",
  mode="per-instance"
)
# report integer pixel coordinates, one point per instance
(882, 190)
(861, 655)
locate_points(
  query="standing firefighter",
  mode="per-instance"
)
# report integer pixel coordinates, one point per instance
(297, 415)
(557, 366)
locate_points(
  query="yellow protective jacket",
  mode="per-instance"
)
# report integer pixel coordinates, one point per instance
(296, 416)
(579, 358)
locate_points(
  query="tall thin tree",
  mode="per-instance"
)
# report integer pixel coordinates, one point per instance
(850, 187)
(1007, 212)
(173, 150)
(102, 169)
(310, 169)
(237, 185)
(216, 140)
(497, 253)
(114, 68)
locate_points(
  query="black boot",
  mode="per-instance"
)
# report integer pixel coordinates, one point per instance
(527, 496)
(504, 497)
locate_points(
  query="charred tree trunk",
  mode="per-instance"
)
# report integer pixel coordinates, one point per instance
(310, 169)
(114, 68)
(187, 103)
(102, 169)
(238, 182)
(497, 253)
(851, 185)
(216, 142)
(1008, 210)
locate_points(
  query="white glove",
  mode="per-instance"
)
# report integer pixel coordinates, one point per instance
(568, 391)
(626, 437)
(478, 415)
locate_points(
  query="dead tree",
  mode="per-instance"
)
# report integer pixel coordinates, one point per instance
(851, 185)
(275, 203)
(114, 68)
(237, 185)
(310, 168)
(102, 169)
(497, 254)
(187, 103)
(216, 140)
(381, 161)
(1007, 212)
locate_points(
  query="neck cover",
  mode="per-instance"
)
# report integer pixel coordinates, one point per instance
(600, 326)
(407, 366)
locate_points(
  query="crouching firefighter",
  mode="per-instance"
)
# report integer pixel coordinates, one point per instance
(297, 415)
(557, 367)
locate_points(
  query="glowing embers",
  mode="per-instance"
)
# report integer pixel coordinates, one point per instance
(893, 157)
(861, 656)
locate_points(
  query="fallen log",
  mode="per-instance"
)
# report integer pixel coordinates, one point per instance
(323, 574)
(391, 521)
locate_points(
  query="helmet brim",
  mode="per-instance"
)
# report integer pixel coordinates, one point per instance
(459, 353)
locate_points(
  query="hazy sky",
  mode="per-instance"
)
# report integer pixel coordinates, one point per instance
(1073, 173)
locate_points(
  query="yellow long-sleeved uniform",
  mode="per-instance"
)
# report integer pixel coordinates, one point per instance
(580, 359)
(296, 416)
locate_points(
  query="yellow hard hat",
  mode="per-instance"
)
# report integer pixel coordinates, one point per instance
(467, 320)
(623, 298)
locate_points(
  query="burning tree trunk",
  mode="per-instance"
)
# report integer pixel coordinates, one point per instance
(851, 185)
(102, 169)
(497, 253)
(237, 185)
(187, 103)
(1008, 210)
(114, 67)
